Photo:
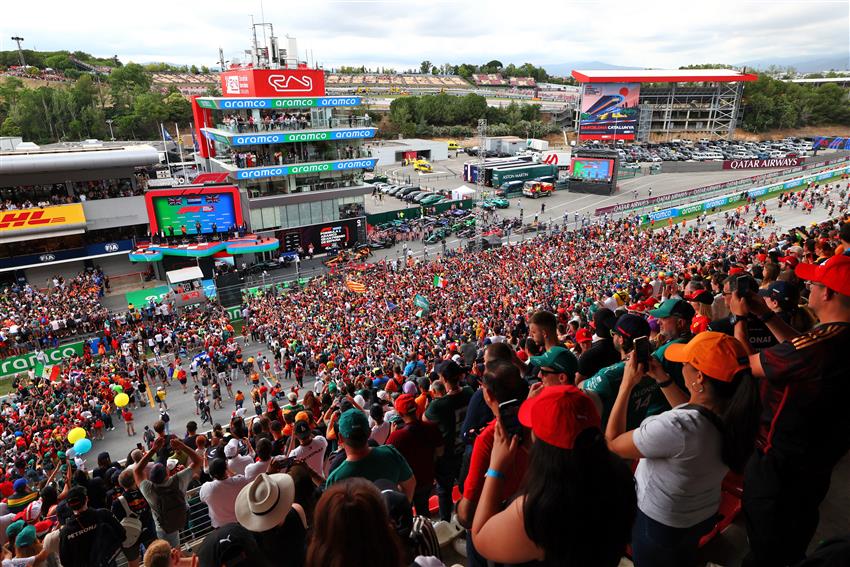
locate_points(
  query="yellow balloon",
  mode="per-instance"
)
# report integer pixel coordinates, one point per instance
(122, 400)
(76, 434)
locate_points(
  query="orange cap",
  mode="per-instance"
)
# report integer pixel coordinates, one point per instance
(302, 416)
(714, 354)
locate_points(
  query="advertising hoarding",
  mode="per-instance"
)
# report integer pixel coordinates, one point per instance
(317, 167)
(300, 102)
(762, 163)
(609, 111)
(184, 207)
(273, 83)
(42, 220)
(591, 169)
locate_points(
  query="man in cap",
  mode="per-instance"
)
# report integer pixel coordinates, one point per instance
(646, 398)
(310, 449)
(420, 443)
(448, 412)
(805, 427)
(371, 463)
(555, 366)
(164, 493)
(90, 536)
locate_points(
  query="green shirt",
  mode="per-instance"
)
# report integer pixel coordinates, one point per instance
(448, 413)
(646, 399)
(381, 462)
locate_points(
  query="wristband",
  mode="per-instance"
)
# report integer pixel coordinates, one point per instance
(493, 473)
(665, 383)
(767, 316)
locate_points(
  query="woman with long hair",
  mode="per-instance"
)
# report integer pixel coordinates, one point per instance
(686, 452)
(573, 481)
(352, 529)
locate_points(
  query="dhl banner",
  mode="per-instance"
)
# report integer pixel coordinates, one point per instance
(19, 222)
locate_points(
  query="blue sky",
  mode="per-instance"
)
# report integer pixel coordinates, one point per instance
(400, 34)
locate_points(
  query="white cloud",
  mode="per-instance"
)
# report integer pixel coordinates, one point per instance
(400, 34)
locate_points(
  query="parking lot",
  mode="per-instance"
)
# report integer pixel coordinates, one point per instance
(447, 175)
(707, 150)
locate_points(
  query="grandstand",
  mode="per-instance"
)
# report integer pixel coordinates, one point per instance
(489, 80)
(398, 81)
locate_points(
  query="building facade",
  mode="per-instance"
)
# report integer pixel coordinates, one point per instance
(658, 105)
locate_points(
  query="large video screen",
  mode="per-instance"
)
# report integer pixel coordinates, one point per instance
(185, 207)
(333, 235)
(609, 111)
(591, 169)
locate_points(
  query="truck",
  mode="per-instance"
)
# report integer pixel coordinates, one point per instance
(502, 175)
(535, 189)
(539, 145)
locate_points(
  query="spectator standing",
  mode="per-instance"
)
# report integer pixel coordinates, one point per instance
(420, 444)
(543, 522)
(167, 495)
(92, 537)
(685, 452)
(448, 412)
(805, 425)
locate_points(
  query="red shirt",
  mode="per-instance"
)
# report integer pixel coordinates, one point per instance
(417, 442)
(480, 462)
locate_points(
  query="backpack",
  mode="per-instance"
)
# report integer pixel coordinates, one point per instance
(170, 509)
(131, 523)
(423, 539)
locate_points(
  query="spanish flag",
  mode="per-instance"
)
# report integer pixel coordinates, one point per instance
(354, 286)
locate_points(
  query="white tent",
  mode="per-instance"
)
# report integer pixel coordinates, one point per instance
(184, 275)
(462, 192)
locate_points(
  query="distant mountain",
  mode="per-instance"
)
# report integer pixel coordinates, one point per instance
(803, 63)
(564, 69)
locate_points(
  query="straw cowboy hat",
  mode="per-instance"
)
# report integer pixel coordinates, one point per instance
(265, 502)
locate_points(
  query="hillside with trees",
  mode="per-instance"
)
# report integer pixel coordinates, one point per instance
(80, 110)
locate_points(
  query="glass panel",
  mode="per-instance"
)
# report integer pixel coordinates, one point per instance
(316, 212)
(257, 219)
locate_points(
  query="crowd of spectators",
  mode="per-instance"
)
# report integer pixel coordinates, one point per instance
(30, 196)
(517, 399)
(32, 318)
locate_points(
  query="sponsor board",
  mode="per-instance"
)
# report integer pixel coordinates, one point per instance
(318, 167)
(762, 163)
(47, 219)
(24, 362)
(90, 250)
(609, 111)
(296, 102)
(312, 136)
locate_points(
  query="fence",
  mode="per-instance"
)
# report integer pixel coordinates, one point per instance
(677, 198)
(416, 212)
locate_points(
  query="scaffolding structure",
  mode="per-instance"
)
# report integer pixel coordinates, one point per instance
(711, 111)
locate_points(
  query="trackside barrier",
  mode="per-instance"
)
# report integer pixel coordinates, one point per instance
(723, 200)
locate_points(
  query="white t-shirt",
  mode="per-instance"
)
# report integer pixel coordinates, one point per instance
(380, 433)
(220, 498)
(238, 463)
(678, 480)
(312, 453)
(256, 469)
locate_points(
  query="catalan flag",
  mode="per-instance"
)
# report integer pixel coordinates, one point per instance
(354, 286)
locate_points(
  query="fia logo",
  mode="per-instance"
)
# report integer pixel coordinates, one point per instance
(46, 258)
(291, 83)
(111, 247)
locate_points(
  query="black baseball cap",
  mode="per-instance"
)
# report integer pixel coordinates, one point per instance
(631, 326)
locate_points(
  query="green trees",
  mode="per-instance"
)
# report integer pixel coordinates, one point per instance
(457, 116)
(770, 103)
(79, 111)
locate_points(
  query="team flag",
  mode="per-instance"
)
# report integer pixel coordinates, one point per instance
(421, 302)
(390, 305)
(439, 281)
(356, 287)
(43, 371)
(165, 134)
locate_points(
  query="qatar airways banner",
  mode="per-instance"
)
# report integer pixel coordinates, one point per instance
(762, 163)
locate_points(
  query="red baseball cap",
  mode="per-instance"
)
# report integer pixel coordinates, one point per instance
(583, 335)
(559, 414)
(405, 404)
(790, 260)
(834, 274)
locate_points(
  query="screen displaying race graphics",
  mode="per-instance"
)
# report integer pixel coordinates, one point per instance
(178, 208)
(591, 169)
(323, 237)
(609, 110)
